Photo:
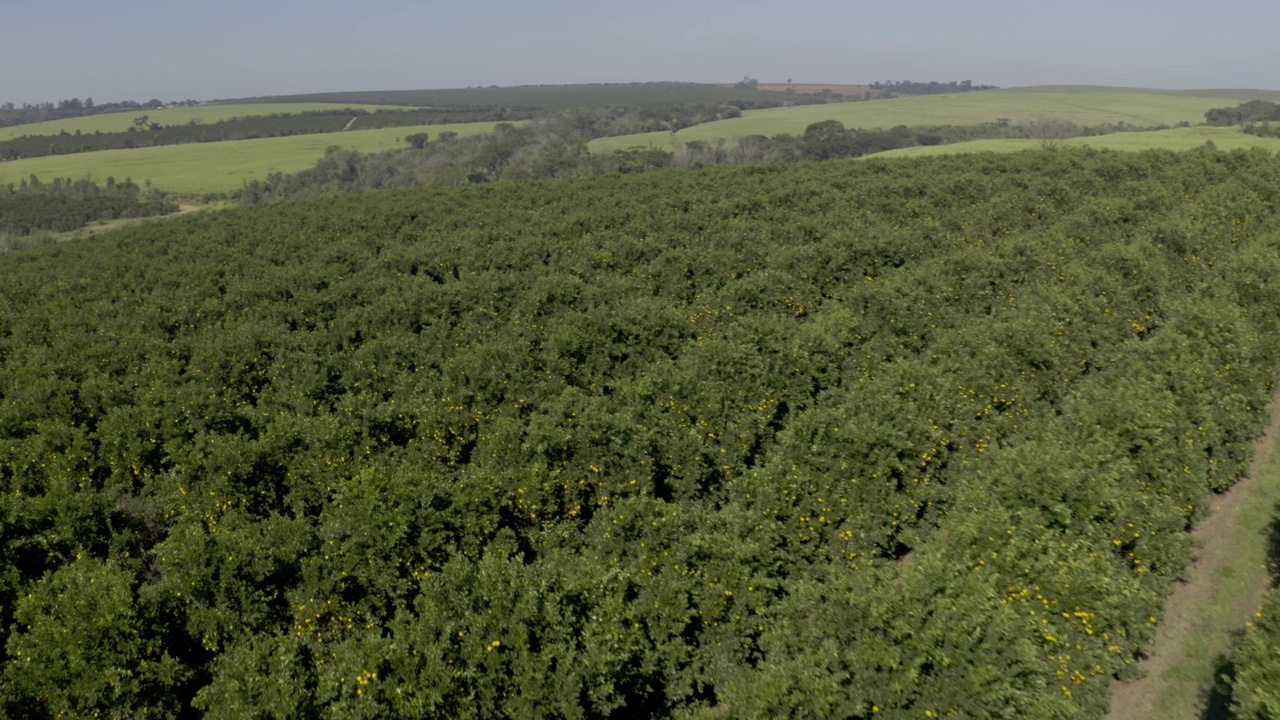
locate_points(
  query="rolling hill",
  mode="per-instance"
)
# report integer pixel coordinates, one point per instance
(217, 167)
(1139, 108)
(119, 122)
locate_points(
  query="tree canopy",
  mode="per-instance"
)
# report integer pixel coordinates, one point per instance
(852, 439)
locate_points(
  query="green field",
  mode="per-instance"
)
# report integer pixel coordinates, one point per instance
(1224, 138)
(121, 121)
(1238, 94)
(1136, 108)
(217, 167)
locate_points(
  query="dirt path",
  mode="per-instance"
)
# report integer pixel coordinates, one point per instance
(102, 227)
(350, 122)
(1224, 588)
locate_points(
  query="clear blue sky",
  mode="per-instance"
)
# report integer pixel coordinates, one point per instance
(175, 49)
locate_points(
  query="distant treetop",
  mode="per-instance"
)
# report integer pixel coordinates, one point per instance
(910, 87)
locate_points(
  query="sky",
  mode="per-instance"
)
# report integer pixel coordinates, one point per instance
(177, 49)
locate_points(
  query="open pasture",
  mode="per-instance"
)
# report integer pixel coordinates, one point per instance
(121, 121)
(1237, 94)
(1135, 108)
(217, 167)
(1224, 138)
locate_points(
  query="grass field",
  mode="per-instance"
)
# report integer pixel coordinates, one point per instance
(1225, 138)
(217, 167)
(119, 122)
(1136, 108)
(1237, 94)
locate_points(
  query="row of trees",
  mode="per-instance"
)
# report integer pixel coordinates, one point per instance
(1255, 665)
(550, 98)
(145, 133)
(910, 87)
(1254, 111)
(1262, 129)
(587, 121)
(12, 114)
(864, 440)
(556, 148)
(62, 205)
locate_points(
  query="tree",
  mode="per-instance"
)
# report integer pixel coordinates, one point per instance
(79, 650)
(827, 139)
(747, 83)
(417, 141)
(1052, 131)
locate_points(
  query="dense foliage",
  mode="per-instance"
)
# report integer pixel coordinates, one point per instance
(1254, 111)
(556, 147)
(1255, 666)
(856, 439)
(63, 205)
(1262, 129)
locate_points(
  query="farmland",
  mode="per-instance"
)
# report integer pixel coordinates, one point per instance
(228, 165)
(904, 438)
(119, 122)
(1223, 138)
(1135, 108)
(1237, 94)
(217, 167)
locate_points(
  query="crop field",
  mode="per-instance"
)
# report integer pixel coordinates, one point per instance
(217, 167)
(893, 440)
(121, 121)
(1136, 108)
(1224, 138)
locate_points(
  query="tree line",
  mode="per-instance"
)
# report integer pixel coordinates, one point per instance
(557, 148)
(145, 133)
(745, 94)
(12, 114)
(1254, 111)
(63, 204)
(909, 87)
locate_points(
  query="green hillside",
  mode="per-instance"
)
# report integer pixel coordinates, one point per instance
(217, 167)
(120, 122)
(910, 438)
(1237, 94)
(1135, 108)
(1223, 138)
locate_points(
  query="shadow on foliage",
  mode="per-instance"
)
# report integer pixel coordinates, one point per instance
(1273, 547)
(1217, 701)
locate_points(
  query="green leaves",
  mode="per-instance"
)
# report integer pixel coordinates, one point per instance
(79, 649)
(863, 440)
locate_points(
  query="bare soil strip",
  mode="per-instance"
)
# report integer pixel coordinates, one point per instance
(1223, 590)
